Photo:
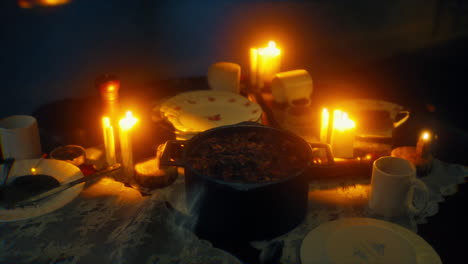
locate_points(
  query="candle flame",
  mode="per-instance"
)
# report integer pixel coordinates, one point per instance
(32, 3)
(111, 87)
(128, 121)
(341, 121)
(106, 121)
(33, 171)
(270, 50)
(426, 136)
(53, 2)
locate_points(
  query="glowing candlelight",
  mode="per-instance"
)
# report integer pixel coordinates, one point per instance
(324, 127)
(109, 141)
(424, 145)
(253, 66)
(343, 133)
(264, 64)
(126, 124)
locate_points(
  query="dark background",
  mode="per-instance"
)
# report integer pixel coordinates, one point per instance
(412, 52)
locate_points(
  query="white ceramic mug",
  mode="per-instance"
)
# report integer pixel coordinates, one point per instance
(291, 87)
(224, 76)
(392, 185)
(19, 137)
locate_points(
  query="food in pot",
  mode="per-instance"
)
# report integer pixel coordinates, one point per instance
(249, 156)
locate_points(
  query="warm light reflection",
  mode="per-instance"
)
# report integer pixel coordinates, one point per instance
(128, 121)
(109, 187)
(348, 195)
(341, 121)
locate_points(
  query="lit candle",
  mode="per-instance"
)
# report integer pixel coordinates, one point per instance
(324, 126)
(264, 64)
(343, 133)
(109, 141)
(253, 66)
(126, 124)
(424, 146)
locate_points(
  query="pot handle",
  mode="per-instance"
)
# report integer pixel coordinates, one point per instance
(328, 152)
(172, 153)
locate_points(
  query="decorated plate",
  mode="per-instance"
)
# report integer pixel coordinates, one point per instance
(201, 110)
(365, 240)
(60, 170)
(375, 118)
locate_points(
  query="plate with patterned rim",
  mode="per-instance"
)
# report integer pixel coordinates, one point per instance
(198, 111)
(60, 170)
(365, 240)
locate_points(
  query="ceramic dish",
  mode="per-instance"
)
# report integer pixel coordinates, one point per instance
(60, 170)
(374, 114)
(365, 240)
(197, 111)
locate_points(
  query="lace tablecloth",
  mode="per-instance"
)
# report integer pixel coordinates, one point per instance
(111, 223)
(337, 199)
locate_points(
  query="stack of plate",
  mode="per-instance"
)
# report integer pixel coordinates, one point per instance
(193, 112)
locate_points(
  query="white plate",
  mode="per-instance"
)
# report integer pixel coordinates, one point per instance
(397, 114)
(365, 240)
(198, 111)
(61, 170)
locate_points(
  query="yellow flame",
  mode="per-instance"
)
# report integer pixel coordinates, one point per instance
(111, 87)
(270, 50)
(325, 117)
(128, 121)
(106, 121)
(53, 2)
(33, 171)
(426, 136)
(341, 121)
(33, 3)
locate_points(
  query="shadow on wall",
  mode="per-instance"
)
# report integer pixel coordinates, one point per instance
(56, 53)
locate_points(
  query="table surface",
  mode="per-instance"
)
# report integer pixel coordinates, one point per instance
(61, 124)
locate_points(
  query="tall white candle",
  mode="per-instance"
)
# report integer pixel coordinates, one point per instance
(109, 140)
(271, 58)
(343, 134)
(126, 124)
(253, 66)
(264, 64)
(324, 126)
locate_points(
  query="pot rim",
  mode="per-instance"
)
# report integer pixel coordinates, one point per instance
(248, 185)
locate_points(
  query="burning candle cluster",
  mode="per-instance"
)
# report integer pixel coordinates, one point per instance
(109, 86)
(264, 64)
(339, 131)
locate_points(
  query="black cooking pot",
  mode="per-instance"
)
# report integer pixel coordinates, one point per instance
(243, 211)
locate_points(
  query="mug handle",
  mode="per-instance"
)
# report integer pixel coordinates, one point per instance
(418, 184)
(402, 120)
